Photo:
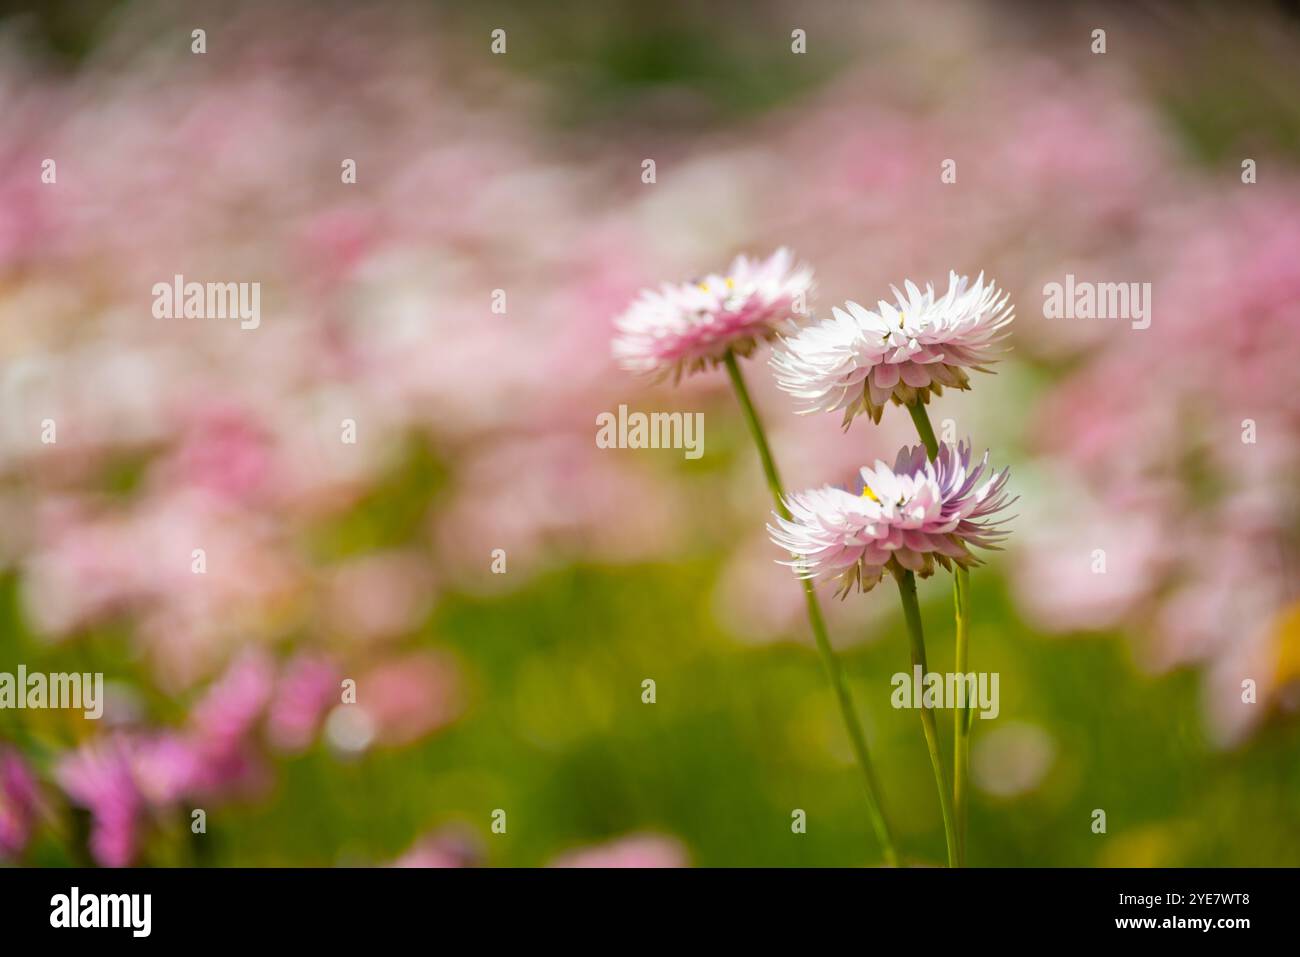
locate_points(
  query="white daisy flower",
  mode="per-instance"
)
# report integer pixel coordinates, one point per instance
(910, 516)
(684, 327)
(859, 359)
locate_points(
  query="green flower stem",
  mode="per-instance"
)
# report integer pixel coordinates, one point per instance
(912, 612)
(923, 428)
(834, 670)
(961, 716)
(961, 600)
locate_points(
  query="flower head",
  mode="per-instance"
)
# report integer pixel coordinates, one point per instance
(19, 802)
(688, 326)
(908, 517)
(99, 777)
(859, 359)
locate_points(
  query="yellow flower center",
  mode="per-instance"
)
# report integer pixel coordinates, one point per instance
(704, 286)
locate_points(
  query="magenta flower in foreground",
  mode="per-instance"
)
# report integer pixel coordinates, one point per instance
(98, 776)
(908, 517)
(859, 359)
(688, 326)
(121, 779)
(18, 803)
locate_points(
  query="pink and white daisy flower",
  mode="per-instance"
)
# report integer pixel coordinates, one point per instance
(907, 517)
(688, 326)
(859, 359)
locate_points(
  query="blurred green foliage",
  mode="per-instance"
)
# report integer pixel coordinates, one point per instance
(556, 732)
(557, 735)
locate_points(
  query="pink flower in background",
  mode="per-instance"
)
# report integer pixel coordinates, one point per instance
(223, 452)
(688, 326)
(175, 435)
(631, 851)
(222, 726)
(98, 776)
(1111, 554)
(860, 359)
(410, 697)
(304, 692)
(376, 597)
(165, 766)
(578, 502)
(446, 848)
(121, 778)
(96, 561)
(231, 707)
(80, 573)
(1186, 493)
(910, 516)
(18, 803)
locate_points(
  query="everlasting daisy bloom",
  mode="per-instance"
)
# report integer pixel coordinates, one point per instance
(859, 359)
(688, 326)
(908, 517)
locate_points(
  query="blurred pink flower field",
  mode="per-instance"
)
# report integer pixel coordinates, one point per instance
(435, 346)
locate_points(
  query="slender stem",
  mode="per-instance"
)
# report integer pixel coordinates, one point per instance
(923, 428)
(961, 716)
(912, 612)
(831, 662)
